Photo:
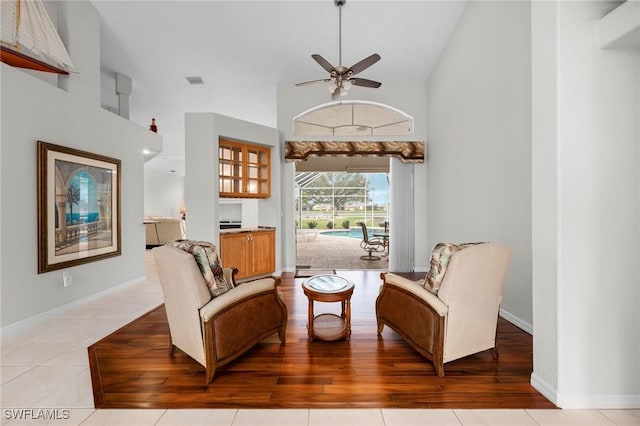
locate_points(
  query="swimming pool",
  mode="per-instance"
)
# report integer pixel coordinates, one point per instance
(351, 233)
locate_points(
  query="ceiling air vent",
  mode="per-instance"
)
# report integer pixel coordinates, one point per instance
(195, 80)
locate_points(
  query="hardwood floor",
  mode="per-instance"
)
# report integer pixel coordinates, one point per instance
(131, 368)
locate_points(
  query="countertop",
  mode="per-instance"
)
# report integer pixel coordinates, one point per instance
(243, 230)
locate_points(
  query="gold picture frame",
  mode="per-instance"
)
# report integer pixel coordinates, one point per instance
(78, 207)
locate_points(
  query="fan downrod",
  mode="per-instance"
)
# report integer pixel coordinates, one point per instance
(341, 78)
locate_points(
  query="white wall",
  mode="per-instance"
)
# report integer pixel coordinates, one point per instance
(577, 134)
(409, 98)
(163, 193)
(108, 95)
(202, 131)
(479, 128)
(544, 198)
(33, 109)
(597, 144)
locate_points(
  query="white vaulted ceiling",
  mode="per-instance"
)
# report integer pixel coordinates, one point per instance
(243, 50)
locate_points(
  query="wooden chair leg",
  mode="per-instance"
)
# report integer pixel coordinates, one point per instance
(172, 349)
(439, 366)
(495, 353)
(494, 350)
(380, 327)
(209, 352)
(210, 373)
(282, 333)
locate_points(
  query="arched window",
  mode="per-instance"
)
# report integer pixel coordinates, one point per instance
(353, 118)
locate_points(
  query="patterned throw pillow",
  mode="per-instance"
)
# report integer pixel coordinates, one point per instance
(208, 262)
(440, 258)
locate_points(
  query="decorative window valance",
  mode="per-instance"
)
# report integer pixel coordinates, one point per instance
(408, 152)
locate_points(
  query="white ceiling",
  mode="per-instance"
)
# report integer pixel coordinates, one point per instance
(244, 49)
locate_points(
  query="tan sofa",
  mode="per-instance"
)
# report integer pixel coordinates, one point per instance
(461, 319)
(159, 230)
(215, 331)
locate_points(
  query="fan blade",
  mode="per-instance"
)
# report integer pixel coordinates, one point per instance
(305, 83)
(364, 64)
(365, 83)
(323, 63)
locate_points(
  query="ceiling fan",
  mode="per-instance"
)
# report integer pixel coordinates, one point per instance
(341, 78)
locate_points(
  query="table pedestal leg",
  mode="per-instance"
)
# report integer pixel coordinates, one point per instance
(347, 318)
(310, 323)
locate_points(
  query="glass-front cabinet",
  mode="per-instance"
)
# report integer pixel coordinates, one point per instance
(230, 160)
(245, 170)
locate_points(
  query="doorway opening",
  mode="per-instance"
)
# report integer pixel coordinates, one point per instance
(330, 208)
(356, 142)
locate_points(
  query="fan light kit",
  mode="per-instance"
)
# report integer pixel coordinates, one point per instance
(341, 78)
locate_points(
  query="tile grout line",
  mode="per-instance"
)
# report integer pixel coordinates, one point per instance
(530, 416)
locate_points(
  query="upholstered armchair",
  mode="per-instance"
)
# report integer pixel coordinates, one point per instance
(216, 330)
(453, 312)
(160, 230)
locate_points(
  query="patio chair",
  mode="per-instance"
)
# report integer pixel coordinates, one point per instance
(371, 245)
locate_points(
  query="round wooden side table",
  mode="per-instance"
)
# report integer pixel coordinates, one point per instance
(329, 288)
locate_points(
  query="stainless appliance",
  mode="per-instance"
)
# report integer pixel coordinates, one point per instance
(230, 224)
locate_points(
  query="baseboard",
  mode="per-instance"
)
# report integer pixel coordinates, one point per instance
(523, 325)
(544, 388)
(585, 402)
(599, 402)
(69, 305)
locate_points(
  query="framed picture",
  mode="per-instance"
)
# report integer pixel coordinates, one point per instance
(78, 207)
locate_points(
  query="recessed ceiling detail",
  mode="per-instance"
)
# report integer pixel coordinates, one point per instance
(408, 152)
(356, 118)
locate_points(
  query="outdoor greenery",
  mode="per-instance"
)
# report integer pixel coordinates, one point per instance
(341, 187)
(333, 199)
(327, 223)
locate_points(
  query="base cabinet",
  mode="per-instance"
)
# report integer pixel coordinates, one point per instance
(233, 251)
(252, 253)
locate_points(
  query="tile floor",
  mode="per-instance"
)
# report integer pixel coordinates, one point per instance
(44, 373)
(327, 252)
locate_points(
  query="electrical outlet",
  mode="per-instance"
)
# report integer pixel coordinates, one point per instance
(67, 279)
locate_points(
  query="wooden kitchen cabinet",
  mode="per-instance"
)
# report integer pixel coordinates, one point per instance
(262, 249)
(244, 170)
(233, 252)
(252, 253)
